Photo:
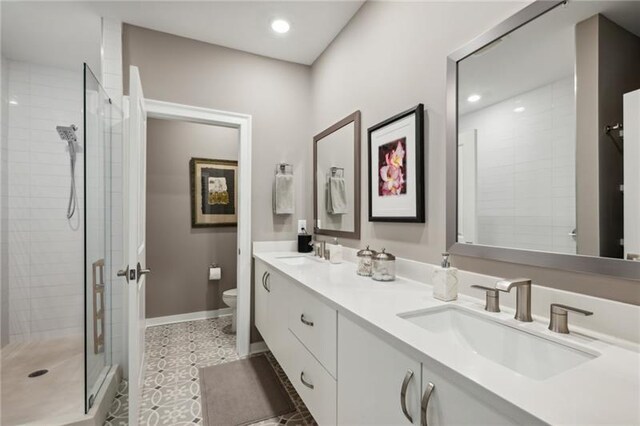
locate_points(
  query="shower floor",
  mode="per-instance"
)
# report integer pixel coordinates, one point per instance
(42, 399)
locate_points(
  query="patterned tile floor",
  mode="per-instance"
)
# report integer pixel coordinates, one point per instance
(171, 394)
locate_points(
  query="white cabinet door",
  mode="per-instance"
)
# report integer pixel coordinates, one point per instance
(261, 300)
(277, 313)
(457, 401)
(371, 375)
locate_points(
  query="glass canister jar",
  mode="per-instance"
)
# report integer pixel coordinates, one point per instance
(384, 266)
(365, 262)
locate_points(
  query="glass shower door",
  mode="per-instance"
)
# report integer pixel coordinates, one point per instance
(98, 121)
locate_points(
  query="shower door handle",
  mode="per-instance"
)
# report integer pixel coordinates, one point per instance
(141, 272)
(124, 273)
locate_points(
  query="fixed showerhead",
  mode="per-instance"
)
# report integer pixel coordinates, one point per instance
(67, 133)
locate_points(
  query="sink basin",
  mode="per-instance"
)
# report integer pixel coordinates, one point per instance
(297, 260)
(523, 352)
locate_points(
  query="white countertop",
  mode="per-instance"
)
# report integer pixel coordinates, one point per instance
(604, 390)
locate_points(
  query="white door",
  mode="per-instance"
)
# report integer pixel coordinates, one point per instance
(467, 186)
(135, 248)
(632, 175)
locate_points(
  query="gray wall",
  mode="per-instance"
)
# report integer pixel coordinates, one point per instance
(607, 67)
(587, 131)
(390, 57)
(619, 73)
(4, 204)
(275, 93)
(179, 254)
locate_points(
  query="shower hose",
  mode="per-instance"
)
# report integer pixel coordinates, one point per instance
(73, 197)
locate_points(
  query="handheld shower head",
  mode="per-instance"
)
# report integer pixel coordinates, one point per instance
(67, 133)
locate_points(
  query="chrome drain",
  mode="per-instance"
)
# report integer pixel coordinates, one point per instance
(38, 373)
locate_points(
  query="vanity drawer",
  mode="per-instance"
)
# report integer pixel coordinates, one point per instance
(315, 324)
(314, 384)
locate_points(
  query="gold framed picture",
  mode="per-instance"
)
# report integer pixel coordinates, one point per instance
(214, 194)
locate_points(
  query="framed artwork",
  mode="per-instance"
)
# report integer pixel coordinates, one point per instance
(396, 168)
(214, 196)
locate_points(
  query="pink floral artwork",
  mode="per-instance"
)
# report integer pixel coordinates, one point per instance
(392, 166)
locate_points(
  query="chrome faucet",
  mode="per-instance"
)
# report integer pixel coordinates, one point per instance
(319, 248)
(523, 296)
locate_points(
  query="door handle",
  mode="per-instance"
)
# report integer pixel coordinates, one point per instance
(124, 273)
(141, 272)
(403, 395)
(267, 285)
(425, 404)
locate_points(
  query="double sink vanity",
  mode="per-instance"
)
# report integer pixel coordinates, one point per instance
(538, 174)
(365, 352)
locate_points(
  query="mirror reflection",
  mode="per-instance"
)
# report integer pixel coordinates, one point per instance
(549, 134)
(335, 171)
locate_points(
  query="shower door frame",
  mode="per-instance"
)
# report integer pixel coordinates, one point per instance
(242, 122)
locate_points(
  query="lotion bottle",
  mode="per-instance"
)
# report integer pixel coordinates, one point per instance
(445, 280)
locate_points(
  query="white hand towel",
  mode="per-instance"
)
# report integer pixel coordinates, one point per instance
(337, 195)
(283, 195)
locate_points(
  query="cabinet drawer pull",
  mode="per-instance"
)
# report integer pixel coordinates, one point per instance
(403, 395)
(265, 280)
(425, 404)
(305, 322)
(304, 382)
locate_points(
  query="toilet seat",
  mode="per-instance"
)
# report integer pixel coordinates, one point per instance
(233, 292)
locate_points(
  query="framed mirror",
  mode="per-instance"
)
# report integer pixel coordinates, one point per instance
(336, 179)
(543, 139)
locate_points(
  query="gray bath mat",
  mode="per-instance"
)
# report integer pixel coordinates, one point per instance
(242, 392)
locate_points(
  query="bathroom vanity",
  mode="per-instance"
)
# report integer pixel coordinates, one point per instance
(364, 352)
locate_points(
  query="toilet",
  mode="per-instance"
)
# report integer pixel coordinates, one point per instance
(230, 298)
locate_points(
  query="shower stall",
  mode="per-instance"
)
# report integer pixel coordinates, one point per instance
(62, 336)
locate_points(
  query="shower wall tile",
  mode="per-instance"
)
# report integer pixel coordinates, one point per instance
(45, 251)
(526, 169)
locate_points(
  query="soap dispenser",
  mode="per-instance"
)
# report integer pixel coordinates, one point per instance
(445, 280)
(304, 242)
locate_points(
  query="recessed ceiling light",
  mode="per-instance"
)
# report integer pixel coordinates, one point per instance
(280, 26)
(518, 109)
(474, 98)
(13, 102)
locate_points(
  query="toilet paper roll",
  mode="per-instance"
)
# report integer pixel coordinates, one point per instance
(215, 273)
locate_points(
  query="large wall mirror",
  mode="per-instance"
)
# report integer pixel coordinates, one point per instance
(544, 139)
(336, 179)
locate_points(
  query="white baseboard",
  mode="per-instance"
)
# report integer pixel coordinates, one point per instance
(258, 347)
(192, 316)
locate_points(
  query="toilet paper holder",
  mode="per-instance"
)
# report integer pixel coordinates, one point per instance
(215, 272)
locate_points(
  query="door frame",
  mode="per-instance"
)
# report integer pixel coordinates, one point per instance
(242, 122)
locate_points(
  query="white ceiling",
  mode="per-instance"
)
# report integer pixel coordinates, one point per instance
(49, 33)
(64, 34)
(538, 53)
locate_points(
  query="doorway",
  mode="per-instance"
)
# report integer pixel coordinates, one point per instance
(241, 123)
(181, 246)
(140, 110)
